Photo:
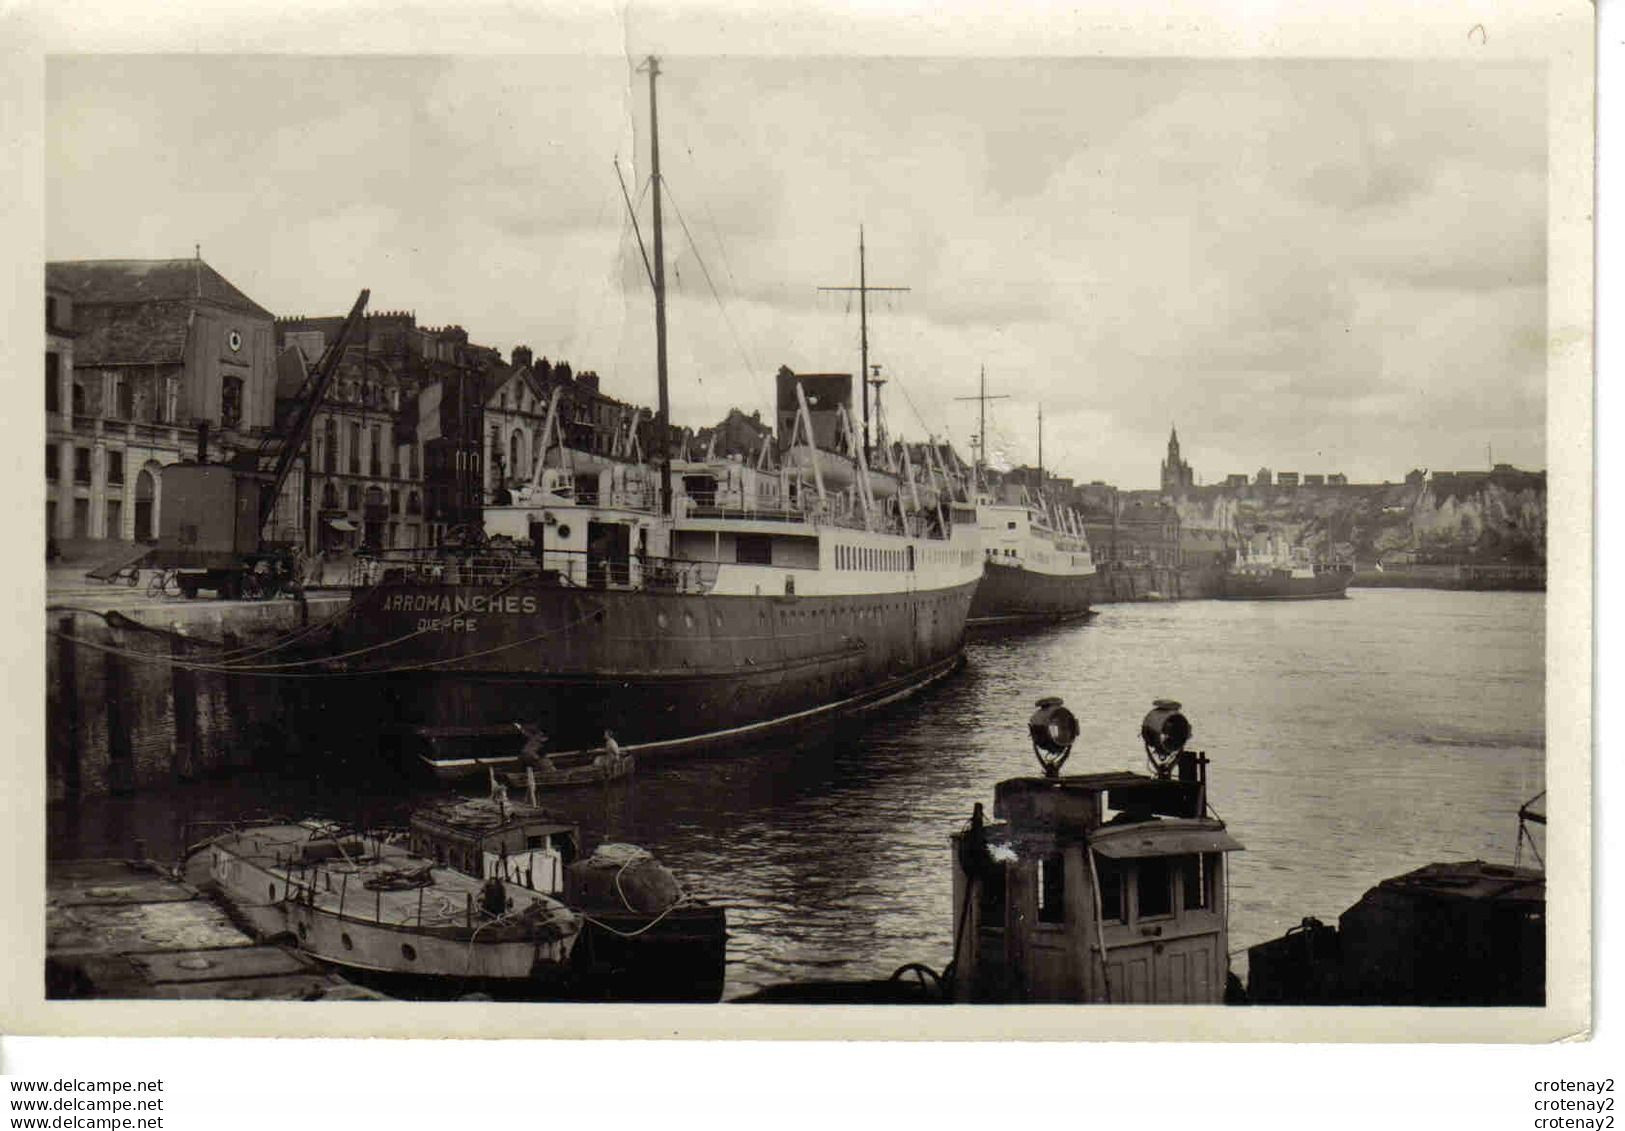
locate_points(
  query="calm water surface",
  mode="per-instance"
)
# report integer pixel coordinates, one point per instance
(1351, 740)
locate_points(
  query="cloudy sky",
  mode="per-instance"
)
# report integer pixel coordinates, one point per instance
(1311, 266)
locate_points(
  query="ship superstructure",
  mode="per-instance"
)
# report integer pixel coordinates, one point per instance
(677, 604)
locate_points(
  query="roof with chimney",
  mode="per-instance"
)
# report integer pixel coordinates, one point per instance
(134, 281)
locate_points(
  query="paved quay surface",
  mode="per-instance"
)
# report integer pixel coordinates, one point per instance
(130, 929)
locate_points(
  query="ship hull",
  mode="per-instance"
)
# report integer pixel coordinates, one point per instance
(1017, 595)
(666, 672)
(1242, 587)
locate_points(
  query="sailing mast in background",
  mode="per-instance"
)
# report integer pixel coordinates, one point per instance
(863, 288)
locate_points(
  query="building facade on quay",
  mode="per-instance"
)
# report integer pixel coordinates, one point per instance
(149, 362)
(589, 420)
(395, 449)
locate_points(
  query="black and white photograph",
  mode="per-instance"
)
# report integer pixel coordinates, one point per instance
(573, 532)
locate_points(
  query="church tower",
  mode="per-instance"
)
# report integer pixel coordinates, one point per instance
(1177, 476)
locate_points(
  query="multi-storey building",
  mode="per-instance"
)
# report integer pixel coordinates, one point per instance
(589, 420)
(149, 362)
(395, 449)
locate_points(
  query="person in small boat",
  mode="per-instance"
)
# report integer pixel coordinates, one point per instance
(532, 754)
(612, 751)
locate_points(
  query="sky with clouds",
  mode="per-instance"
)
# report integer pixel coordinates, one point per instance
(1311, 266)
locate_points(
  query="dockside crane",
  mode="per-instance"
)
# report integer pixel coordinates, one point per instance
(212, 529)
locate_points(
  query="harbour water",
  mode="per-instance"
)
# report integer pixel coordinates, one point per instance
(1351, 740)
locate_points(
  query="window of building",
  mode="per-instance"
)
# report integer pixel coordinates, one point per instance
(1155, 887)
(81, 465)
(53, 382)
(115, 467)
(115, 518)
(330, 497)
(413, 506)
(375, 454)
(78, 399)
(53, 463)
(352, 497)
(81, 518)
(355, 449)
(50, 311)
(124, 398)
(1052, 889)
(231, 401)
(412, 453)
(330, 449)
(394, 503)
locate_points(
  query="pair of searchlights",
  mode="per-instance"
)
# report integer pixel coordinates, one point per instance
(1053, 729)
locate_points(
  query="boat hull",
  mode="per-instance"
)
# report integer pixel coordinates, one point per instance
(1015, 595)
(678, 956)
(365, 934)
(1244, 587)
(665, 672)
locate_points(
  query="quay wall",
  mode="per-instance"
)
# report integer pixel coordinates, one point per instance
(123, 712)
(1152, 583)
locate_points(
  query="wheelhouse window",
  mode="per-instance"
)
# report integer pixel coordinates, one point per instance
(1196, 875)
(1154, 887)
(1110, 872)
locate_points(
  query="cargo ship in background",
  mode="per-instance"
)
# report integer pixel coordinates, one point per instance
(1275, 571)
(677, 605)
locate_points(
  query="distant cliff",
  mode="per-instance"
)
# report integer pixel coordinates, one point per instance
(1452, 516)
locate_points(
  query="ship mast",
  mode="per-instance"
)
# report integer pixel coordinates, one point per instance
(663, 424)
(981, 435)
(863, 288)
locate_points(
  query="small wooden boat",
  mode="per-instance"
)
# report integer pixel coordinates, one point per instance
(541, 771)
(644, 938)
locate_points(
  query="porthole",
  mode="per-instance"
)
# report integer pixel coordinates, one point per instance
(409, 952)
(345, 939)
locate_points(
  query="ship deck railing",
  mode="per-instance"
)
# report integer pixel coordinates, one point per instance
(504, 566)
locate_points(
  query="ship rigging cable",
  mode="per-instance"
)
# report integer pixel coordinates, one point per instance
(254, 670)
(744, 354)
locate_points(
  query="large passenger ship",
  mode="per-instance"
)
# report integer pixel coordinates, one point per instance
(676, 604)
(1038, 566)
